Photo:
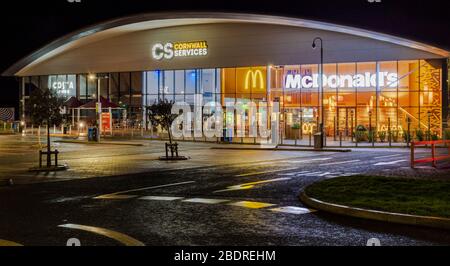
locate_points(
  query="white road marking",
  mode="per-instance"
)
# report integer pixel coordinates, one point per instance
(319, 174)
(122, 238)
(349, 174)
(206, 201)
(107, 196)
(251, 204)
(388, 156)
(251, 185)
(294, 173)
(265, 172)
(309, 160)
(311, 174)
(6, 243)
(293, 210)
(160, 198)
(337, 163)
(389, 163)
(116, 197)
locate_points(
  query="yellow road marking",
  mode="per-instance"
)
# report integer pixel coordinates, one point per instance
(251, 204)
(265, 172)
(251, 185)
(122, 238)
(115, 195)
(6, 243)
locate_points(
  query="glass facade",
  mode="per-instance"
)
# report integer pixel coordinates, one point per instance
(379, 97)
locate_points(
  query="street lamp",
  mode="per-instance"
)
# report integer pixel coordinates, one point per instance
(429, 125)
(321, 85)
(99, 103)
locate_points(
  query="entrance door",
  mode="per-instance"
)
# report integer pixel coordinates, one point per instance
(346, 120)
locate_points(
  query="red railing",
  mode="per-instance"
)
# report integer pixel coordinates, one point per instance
(433, 159)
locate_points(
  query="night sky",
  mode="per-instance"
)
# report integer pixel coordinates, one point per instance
(28, 25)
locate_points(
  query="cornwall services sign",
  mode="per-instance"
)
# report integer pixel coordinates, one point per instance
(169, 51)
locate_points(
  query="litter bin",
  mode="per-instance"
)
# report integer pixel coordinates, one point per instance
(92, 134)
(227, 132)
(318, 141)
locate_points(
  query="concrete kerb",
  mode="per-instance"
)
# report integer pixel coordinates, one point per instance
(398, 218)
(100, 143)
(58, 168)
(279, 149)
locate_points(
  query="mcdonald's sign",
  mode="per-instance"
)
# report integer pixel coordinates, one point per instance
(254, 79)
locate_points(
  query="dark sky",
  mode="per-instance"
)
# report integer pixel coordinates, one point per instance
(28, 25)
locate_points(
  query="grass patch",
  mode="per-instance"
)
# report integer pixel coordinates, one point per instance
(399, 195)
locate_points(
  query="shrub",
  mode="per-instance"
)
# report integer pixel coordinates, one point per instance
(395, 135)
(407, 136)
(434, 137)
(447, 134)
(372, 136)
(382, 135)
(420, 136)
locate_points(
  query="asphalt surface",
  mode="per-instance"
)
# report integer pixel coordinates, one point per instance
(236, 204)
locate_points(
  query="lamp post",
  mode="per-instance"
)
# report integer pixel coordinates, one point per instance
(320, 86)
(429, 125)
(99, 103)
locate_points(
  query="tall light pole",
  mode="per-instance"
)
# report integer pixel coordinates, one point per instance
(322, 116)
(99, 103)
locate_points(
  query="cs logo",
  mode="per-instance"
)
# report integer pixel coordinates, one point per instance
(160, 51)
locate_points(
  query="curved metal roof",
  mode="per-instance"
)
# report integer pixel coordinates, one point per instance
(160, 20)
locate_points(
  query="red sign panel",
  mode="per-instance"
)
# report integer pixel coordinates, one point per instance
(106, 121)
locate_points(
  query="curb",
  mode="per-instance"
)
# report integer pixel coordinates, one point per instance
(58, 168)
(280, 149)
(101, 143)
(398, 218)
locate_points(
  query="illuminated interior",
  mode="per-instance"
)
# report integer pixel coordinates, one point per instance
(378, 97)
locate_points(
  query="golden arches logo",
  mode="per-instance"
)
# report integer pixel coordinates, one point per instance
(252, 78)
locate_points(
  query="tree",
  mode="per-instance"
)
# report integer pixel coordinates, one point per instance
(45, 109)
(160, 113)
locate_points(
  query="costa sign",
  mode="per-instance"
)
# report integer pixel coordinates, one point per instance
(63, 87)
(366, 80)
(170, 50)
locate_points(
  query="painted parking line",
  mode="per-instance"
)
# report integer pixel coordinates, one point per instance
(337, 163)
(319, 174)
(389, 163)
(293, 210)
(309, 160)
(206, 201)
(7, 243)
(388, 156)
(294, 173)
(250, 185)
(121, 238)
(251, 204)
(265, 172)
(161, 198)
(114, 195)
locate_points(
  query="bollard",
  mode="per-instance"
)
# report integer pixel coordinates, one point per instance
(340, 139)
(310, 139)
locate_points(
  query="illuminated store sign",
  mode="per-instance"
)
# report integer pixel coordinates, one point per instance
(179, 49)
(63, 87)
(253, 79)
(366, 80)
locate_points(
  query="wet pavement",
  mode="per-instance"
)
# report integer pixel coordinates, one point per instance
(220, 197)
